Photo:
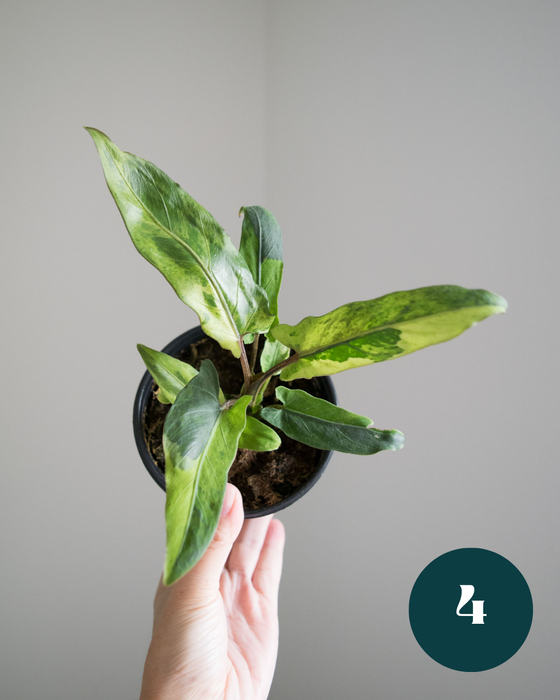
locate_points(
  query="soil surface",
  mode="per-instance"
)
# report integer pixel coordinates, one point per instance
(264, 478)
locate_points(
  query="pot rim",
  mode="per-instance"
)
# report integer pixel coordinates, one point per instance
(144, 392)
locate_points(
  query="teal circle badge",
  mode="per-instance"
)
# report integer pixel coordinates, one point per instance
(470, 609)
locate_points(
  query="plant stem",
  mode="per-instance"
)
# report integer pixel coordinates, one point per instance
(258, 397)
(254, 352)
(245, 366)
(259, 379)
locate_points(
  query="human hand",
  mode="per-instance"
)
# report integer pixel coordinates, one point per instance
(215, 634)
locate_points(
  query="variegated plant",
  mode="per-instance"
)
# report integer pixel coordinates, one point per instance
(235, 295)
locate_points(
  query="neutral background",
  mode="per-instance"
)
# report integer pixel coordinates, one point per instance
(400, 144)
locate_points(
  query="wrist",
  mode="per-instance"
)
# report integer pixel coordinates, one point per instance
(157, 682)
(157, 687)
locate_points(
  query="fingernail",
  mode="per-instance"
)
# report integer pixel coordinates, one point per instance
(228, 501)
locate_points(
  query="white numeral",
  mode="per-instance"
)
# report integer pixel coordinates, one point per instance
(478, 613)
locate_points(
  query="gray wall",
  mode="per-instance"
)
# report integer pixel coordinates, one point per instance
(410, 144)
(180, 83)
(400, 144)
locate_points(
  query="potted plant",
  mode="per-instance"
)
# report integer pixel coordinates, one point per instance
(269, 480)
(235, 295)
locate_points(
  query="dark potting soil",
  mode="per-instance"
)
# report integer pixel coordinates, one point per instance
(264, 478)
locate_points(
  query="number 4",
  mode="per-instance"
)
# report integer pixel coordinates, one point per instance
(478, 613)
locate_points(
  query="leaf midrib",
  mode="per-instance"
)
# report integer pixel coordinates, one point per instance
(323, 420)
(384, 327)
(201, 459)
(176, 238)
(259, 237)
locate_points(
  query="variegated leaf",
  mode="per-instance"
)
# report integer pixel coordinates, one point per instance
(187, 245)
(261, 246)
(394, 325)
(200, 440)
(169, 373)
(272, 353)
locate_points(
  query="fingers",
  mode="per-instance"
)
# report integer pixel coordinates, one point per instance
(258, 553)
(247, 548)
(203, 580)
(266, 577)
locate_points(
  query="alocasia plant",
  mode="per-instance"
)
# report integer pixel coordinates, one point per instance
(235, 294)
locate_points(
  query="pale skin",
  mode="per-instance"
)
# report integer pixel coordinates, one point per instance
(215, 633)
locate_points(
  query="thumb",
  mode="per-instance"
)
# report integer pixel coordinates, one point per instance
(203, 580)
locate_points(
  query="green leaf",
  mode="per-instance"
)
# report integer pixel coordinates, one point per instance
(394, 325)
(187, 245)
(323, 425)
(169, 373)
(200, 443)
(272, 353)
(256, 404)
(261, 246)
(258, 437)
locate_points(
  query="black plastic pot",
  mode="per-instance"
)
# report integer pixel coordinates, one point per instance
(323, 384)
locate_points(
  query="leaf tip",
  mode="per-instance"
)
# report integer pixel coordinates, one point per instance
(399, 440)
(92, 131)
(174, 569)
(98, 136)
(169, 578)
(497, 302)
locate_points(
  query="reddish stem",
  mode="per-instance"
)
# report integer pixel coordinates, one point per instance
(245, 366)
